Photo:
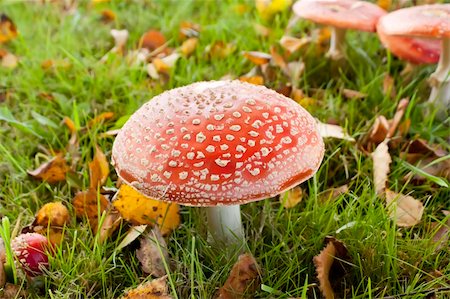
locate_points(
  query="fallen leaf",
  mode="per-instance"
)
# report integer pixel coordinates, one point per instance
(353, 94)
(262, 30)
(52, 171)
(8, 30)
(108, 16)
(9, 61)
(257, 80)
(102, 117)
(220, 49)
(188, 46)
(322, 38)
(279, 61)
(133, 233)
(155, 289)
(394, 123)
(258, 58)
(404, 209)
(51, 64)
(12, 291)
(90, 204)
(332, 193)
(268, 8)
(384, 4)
(139, 209)
(153, 252)
(188, 30)
(70, 125)
(389, 86)
(110, 224)
(291, 197)
(442, 235)
(151, 40)
(330, 266)
(53, 214)
(296, 69)
(120, 39)
(243, 281)
(333, 131)
(2, 273)
(381, 161)
(293, 44)
(163, 65)
(379, 130)
(98, 169)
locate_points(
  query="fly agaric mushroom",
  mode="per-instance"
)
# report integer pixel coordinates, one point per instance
(426, 21)
(340, 15)
(218, 144)
(30, 250)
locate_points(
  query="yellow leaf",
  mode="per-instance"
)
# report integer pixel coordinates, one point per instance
(155, 289)
(98, 169)
(384, 4)
(70, 125)
(258, 58)
(8, 30)
(108, 16)
(101, 118)
(257, 80)
(52, 171)
(188, 46)
(268, 8)
(139, 209)
(292, 197)
(53, 214)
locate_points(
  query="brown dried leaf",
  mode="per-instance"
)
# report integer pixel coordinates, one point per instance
(243, 280)
(155, 289)
(110, 224)
(404, 209)
(423, 149)
(293, 44)
(13, 291)
(108, 16)
(52, 171)
(9, 61)
(291, 197)
(2, 274)
(70, 125)
(151, 40)
(329, 267)
(52, 214)
(102, 117)
(258, 58)
(389, 86)
(333, 193)
(90, 204)
(379, 130)
(279, 61)
(152, 253)
(381, 161)
(353, 94)
(393, 123)
(139, 209)
(188, 46)
(257, 80)
(442, 236)
(133, 233)
(98, 169)
(333, 131)
(8, 30)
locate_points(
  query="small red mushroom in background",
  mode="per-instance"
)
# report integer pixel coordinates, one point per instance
(340, 15)
(218, 144)
(430, 22)
(31, 251)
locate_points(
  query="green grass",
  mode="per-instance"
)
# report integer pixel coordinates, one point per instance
(385, 260)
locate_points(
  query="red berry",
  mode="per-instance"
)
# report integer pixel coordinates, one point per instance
(30, 250)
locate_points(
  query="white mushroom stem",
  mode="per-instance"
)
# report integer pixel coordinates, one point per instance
(225, 225)
(337, 43)
(440, 79)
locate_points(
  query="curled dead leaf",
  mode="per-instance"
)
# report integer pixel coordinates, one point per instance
(98, 169)
(53, 171)
(403, 209)
(333, 193)
(244, 279)
(8, 30)
(219, 49)
(258, 58)
(153, 252)
(188, 46)
(139, 209)
(379, 130)
(291, 197)
(381, 161)
(333, 131)
(90, 204)
(155, 289)
(151, 40)
(293, 44)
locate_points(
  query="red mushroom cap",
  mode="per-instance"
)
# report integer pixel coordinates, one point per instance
(30, 250)
(432, 21)
(346, 14)
(414, 50)
(217, 142)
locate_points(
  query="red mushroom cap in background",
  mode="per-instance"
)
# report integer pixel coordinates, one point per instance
(432, 21)
(414, 50)
(31, 252)
(346, 14)
(217, 143)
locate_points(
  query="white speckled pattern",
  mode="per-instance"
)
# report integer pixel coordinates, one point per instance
(217, 143)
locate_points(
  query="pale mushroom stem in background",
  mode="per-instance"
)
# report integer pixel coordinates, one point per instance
(440, 79)
(337, 43)
(225, 225)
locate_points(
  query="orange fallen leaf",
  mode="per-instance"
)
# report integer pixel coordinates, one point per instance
(220, 49)
(53, 214)
(188, 30)
(384, 4)
(110, 224)
(257, 80)
(329, 263)
(258, 58)
(8, 30)
(52, 171)
(70, 125)
(381, 161)
(151, 40)
(155, 289)
(188, 46)
(403, 209)
(102, 117)
(379, 130)
(90, 204)
(244, 279)
(108, 16)
(153, 252)
(291, 197)
(98, 169)
(139, 209)
(389, 86)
